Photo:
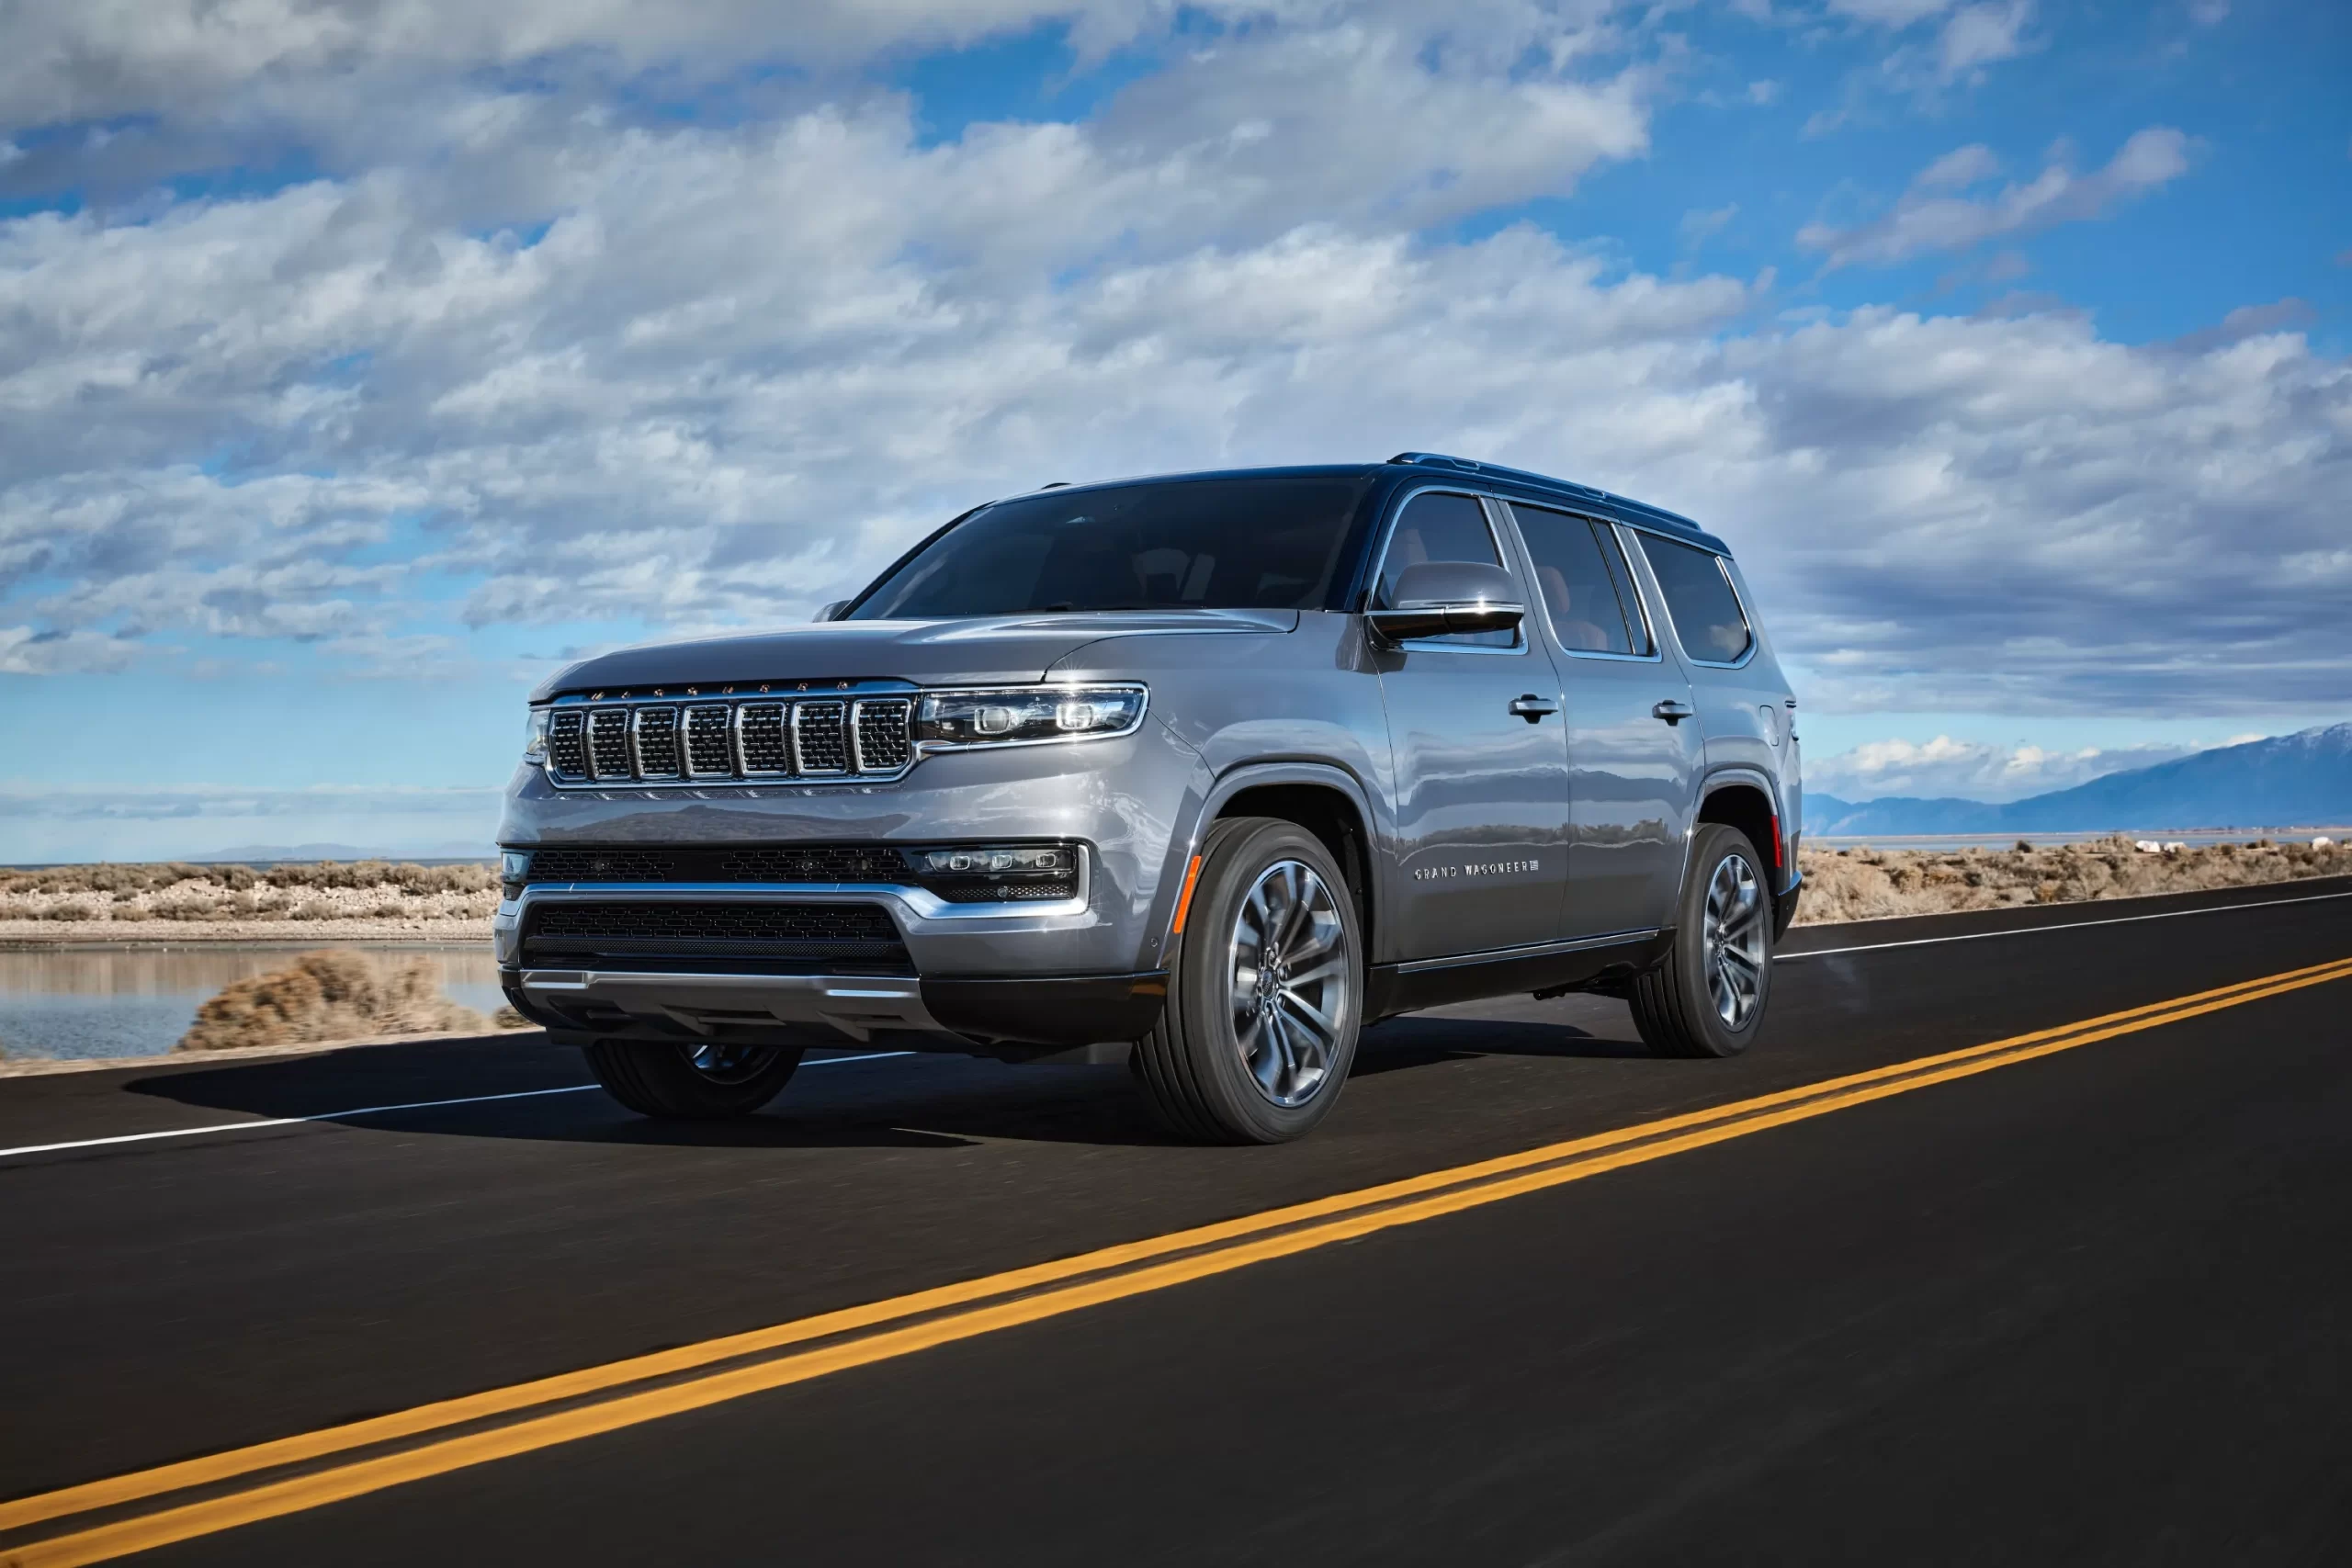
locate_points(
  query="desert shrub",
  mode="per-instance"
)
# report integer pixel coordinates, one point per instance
(75, 909)
(334, 994)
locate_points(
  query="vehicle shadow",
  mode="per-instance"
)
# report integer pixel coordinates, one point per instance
(929, 1101)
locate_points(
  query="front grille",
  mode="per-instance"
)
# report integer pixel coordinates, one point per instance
(608, 743)
(603, 865)
(710, 751)
(820, 737)
(872, 865)
(814, 738)
(657, 743)
(567, 743)
(883, 743)
(764, 933)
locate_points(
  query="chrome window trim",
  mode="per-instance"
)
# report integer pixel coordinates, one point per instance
(1656, 655)
(1747, 616)
(1486, 504)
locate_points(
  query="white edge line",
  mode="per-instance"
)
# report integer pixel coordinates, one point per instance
(363, 1110)
(2059, 926)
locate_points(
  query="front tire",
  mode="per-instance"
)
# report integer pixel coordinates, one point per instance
(1265, 993)
(691, 1083)
(1707, 999)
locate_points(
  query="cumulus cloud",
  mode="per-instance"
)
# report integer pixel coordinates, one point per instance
(554, 365)
(1982, 34)
(1970, 770)
(1925, 221)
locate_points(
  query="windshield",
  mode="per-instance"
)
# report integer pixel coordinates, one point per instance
(1238, 543)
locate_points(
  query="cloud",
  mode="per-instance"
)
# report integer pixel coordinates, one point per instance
(1923, 221)
(1699, 226)
(1980, 35)
(1889, 13)
(1944, 768)
(555, 365)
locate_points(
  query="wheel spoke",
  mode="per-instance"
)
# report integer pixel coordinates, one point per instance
(1290, 977)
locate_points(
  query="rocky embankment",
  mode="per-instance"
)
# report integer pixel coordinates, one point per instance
(340, 901)
(1864, 883)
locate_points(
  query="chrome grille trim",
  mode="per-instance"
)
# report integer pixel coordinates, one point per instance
(653, 743)
(568, 745)
(887, 743)
(822, 728)
(857, 732)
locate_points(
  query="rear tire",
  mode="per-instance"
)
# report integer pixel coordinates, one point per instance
(1264, 994)
(691, 1083)
(1707, 999)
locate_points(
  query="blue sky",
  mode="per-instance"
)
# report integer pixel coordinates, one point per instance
(364, 362)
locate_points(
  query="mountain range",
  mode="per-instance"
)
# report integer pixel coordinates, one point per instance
(2303, 779)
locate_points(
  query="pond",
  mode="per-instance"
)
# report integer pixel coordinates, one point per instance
(82, 1002)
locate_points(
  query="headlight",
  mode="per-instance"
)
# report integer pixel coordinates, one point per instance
(1015, 716)
(535, 735)
(513, 872)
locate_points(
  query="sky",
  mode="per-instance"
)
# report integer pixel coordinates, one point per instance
(364, 361)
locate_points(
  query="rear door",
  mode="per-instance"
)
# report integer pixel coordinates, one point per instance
(1630, 771)
(1481, 790)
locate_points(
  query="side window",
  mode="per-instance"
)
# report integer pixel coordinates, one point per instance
(1581, 574)
(1436, 526)
(1699, 596)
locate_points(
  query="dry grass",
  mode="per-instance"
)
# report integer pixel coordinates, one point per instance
(334, 994)
(1864, 883)
(183, 894)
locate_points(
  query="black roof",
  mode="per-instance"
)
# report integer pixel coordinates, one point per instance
(1406, 466)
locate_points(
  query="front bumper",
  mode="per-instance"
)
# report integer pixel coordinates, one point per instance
(941, 1012)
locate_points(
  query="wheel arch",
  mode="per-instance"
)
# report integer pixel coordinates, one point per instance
(1749, 800)
(1327, 801)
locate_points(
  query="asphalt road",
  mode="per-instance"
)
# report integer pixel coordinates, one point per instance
(2093, 1305)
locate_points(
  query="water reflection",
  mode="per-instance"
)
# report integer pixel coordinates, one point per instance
(84, 1002)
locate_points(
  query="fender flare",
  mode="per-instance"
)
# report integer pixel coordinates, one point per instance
(1252, 775)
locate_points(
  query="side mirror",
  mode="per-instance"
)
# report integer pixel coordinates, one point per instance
(830, 611)
(1438, 597)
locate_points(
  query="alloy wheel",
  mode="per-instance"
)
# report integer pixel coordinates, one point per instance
(1292, 983)
(1732, 933)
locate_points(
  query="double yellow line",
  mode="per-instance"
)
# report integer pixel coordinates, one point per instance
(291, 1475)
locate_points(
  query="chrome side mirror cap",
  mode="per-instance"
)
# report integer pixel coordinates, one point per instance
(1439, 597)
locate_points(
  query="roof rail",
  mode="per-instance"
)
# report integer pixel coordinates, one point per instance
(1471, 465)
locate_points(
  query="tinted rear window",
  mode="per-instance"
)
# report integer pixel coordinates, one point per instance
(1699, 597)
(1238, 544)
(1582, 577)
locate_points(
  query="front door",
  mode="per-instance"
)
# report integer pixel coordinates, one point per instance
(1630, 771)
(1481, 790)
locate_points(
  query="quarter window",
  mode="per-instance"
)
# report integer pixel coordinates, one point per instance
(1698, 595)
(1581, 573)
(1436, 526)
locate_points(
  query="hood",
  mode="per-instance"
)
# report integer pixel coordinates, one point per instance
(982, 651)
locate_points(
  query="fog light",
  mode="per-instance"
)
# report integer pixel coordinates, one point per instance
(982, 873)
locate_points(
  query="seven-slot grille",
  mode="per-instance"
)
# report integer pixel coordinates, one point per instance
(816, 738)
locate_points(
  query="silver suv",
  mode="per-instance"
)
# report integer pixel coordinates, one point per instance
(1228, 765)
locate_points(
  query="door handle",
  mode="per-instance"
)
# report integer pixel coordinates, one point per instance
(1673, 710)
(1533, 708)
